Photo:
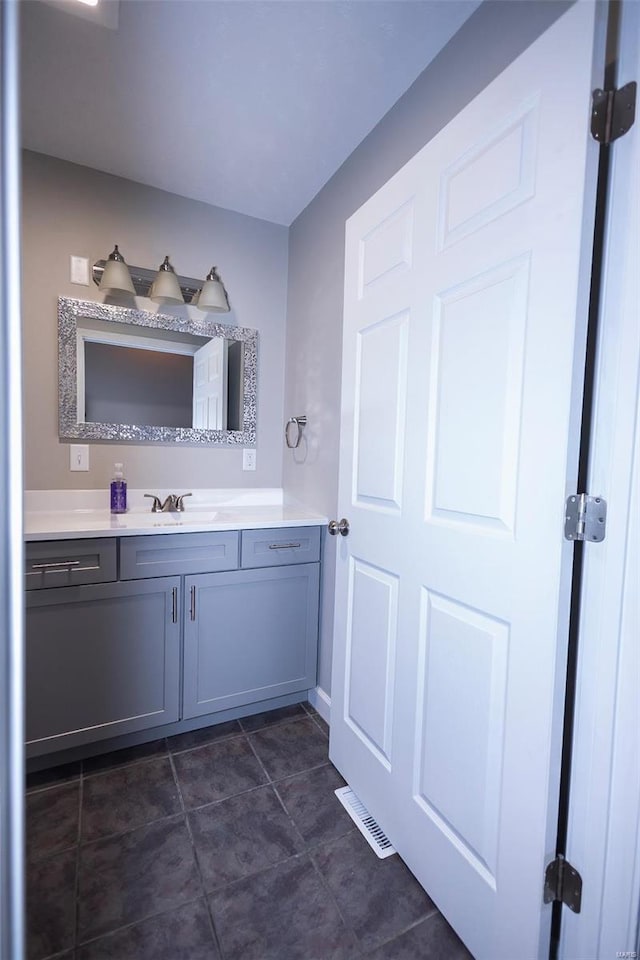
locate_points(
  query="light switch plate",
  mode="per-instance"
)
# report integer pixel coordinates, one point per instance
(79, 270)
(78, 456)
(248, 459)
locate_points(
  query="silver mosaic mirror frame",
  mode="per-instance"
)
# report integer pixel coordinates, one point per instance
(70, 311)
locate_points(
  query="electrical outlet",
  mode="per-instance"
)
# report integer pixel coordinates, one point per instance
(248, 459)
(78, 456)
(79, 270)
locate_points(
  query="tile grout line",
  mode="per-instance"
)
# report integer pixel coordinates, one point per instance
(235, 736)
(314, 716)
(334, 900)
(300, 855)
(275, 723)
(214, 932)
(125, 833)
(262, 766)
(416, 923)
(325, 733)
(299, 773)
(291, 820)
(91, 775)
(34, 791)
(209, 743)
(59, 955)
(232, 796)
(273, 780)
(33, 861)
(427, 916)
(127, 926)
(140, 826)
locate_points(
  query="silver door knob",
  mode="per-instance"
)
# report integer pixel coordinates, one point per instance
(339, 527)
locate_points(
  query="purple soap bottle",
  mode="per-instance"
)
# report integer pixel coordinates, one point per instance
(118, 491)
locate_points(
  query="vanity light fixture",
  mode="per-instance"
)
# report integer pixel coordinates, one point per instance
(164, 286)
(213, 296)
(116, 277)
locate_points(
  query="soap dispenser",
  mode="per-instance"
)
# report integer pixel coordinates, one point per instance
(118, 491)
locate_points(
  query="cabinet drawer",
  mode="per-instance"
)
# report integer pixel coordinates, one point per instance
(174, 553)
(274, 548)
(69, 563)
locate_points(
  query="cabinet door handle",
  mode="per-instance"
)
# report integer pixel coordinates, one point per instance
(174, 605)
(192, 611)
(57, 563)
(283, 546)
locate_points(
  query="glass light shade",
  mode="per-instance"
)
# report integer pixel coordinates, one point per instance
(213, 296)
(115, 276)
(165, 288)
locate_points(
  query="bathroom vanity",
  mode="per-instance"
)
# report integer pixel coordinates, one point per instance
(148, 623)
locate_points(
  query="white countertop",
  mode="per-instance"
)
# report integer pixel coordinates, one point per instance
(78, 514)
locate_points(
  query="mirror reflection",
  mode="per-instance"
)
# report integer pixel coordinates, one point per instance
(157, 378)
(131, 375)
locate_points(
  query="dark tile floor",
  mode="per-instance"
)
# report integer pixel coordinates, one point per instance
(222, 844)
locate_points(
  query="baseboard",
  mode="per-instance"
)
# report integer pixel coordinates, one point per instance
(321, 700)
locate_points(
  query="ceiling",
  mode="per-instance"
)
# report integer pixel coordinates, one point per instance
(247, 104)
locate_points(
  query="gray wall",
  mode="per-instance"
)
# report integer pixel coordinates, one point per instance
(69, 209)
(493, 36)
(148, 387)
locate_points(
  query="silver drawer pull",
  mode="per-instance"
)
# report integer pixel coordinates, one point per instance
(58, 563)
(283, 546)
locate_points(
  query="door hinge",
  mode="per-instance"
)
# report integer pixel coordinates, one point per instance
(585, 518)
(613, 112)
(563, 883)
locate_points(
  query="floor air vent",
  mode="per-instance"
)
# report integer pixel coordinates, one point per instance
(373, 834)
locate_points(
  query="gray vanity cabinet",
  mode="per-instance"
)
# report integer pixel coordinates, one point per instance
(131, 634)
(249, 635)
(101, 660)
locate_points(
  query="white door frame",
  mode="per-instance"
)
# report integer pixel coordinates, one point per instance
(603, 841)
(12, 938)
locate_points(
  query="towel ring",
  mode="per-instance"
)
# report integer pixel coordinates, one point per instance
(300, 423)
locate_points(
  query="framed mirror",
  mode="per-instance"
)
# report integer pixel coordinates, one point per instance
(128, 374)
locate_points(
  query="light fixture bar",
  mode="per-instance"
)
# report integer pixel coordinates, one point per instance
(143, 278)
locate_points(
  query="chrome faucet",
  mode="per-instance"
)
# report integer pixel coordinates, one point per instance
(172, 504)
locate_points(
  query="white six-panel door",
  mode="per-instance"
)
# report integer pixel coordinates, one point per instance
(464, 334)
(210, 385)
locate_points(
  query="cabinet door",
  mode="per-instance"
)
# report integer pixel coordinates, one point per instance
(249, 635)
(102, 660)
